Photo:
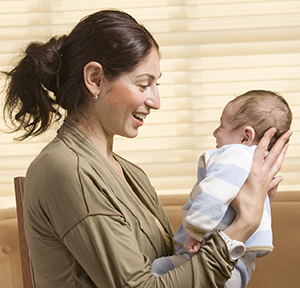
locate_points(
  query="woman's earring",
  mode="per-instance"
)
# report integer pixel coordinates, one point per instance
(95, 97)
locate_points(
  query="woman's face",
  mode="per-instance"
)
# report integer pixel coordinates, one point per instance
(124, 103)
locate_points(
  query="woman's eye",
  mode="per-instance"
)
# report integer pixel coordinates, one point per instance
(145, 86)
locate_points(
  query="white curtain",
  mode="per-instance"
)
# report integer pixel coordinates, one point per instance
(212, 51)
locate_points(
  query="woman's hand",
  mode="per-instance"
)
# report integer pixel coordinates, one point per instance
(249, 202)
(273, 187)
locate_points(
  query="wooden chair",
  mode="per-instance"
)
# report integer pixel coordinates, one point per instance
(19, 183)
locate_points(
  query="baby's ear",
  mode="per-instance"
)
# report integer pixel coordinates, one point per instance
(248, 136)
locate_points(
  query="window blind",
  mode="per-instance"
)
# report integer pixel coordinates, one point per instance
(211, 50)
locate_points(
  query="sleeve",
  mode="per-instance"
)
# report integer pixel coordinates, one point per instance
(227, 169)
(242, 271)
(107, 250)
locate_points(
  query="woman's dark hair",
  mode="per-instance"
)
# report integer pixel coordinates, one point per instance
(50, 75)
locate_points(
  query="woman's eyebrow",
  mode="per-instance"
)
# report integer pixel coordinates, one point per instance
(149, 76)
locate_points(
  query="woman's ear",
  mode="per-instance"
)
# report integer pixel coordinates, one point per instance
(248, 136)
(92, 74)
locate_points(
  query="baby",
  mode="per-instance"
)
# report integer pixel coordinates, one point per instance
(221, 174)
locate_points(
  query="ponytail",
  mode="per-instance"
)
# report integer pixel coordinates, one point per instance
(30, 102)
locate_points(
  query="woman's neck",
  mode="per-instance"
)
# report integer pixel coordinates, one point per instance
(102, 142)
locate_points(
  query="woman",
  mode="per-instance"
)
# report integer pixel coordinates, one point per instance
(92, 219)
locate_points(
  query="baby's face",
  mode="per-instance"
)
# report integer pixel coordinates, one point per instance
(224, 133)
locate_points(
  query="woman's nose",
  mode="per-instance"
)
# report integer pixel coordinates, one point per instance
(153, 101)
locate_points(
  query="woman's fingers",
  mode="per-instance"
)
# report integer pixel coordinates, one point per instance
(273, 187)
(275, 182)
(274, 159)
(262, 146)
(276, 166)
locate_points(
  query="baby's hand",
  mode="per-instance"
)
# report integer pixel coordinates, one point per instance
(191, 245)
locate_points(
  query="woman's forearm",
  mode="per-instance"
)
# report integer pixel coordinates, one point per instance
(249, 202)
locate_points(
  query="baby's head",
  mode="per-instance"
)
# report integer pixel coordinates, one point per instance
(246, 118)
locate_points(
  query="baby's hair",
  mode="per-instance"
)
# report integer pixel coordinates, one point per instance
(262, 110)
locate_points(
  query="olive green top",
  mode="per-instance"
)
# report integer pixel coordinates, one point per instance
(86, 227)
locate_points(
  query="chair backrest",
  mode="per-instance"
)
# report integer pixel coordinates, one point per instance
(19, 183)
